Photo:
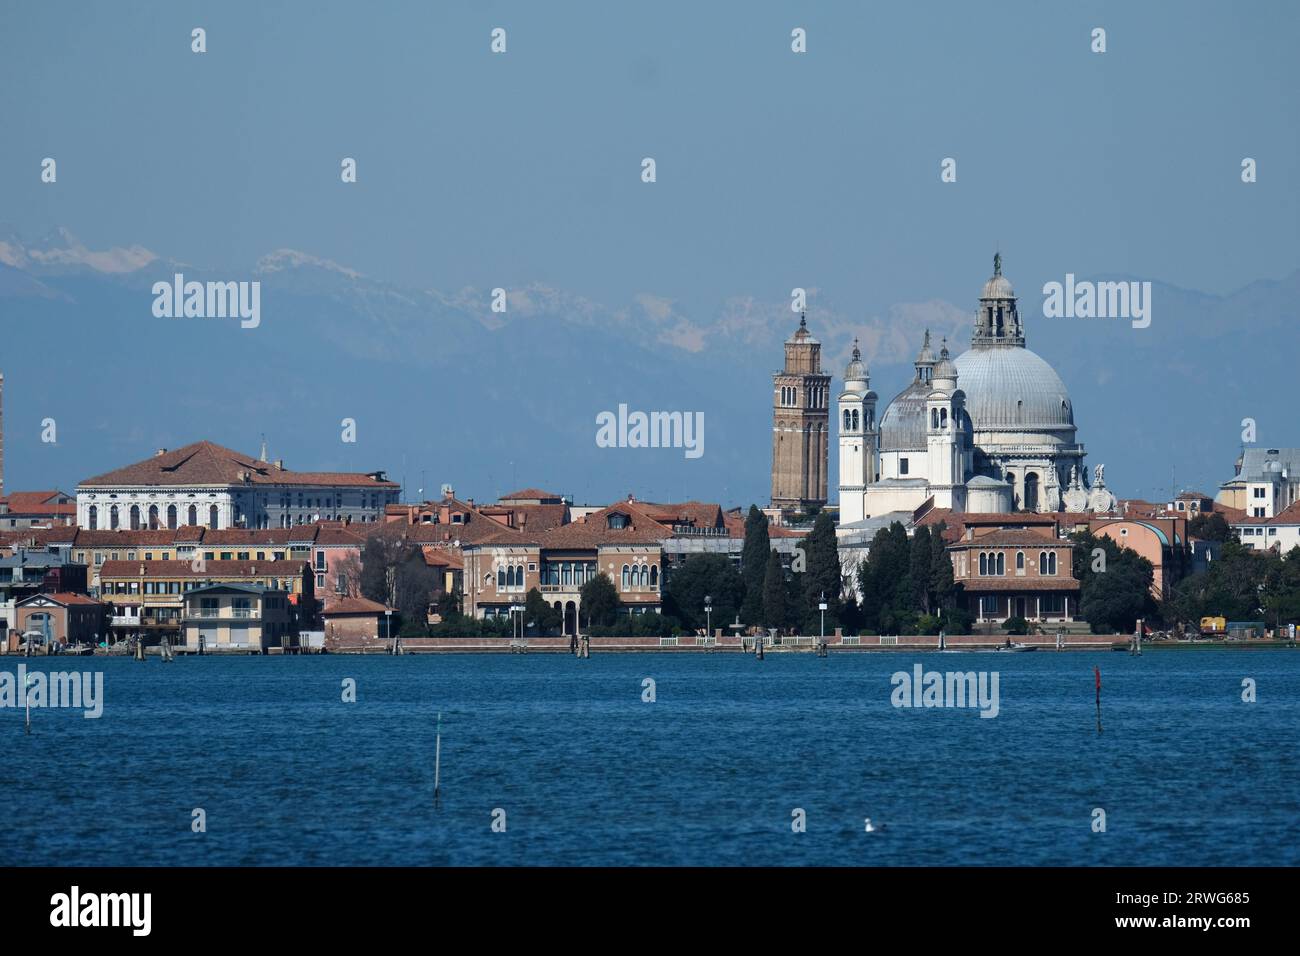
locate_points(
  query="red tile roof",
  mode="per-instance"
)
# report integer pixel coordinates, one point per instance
(352, 605)
(1009, 538)
(529, 493)
(65, 598)
(206, 463)
(437, 557)
(211, 569)
(1287, 516)
(38, 503)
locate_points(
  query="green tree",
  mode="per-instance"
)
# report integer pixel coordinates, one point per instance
(540, 614)
(884, 579)
(753, 564)
(920, 559)
(1209, 527)
(1112, 600)
(821, 574)
(943, 589)
(774, 592)
(704, 575)
(600, 600)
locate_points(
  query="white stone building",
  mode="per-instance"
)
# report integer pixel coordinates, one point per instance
(991, 431)
(206, 484)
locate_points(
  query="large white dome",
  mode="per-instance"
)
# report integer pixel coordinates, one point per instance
(1010, 388)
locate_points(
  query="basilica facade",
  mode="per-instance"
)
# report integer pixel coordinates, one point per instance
(991, 431)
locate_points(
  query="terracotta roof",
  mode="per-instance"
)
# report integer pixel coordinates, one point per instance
(250, 537)
(529, 493)
(206, 463)
(1008, 538)
(339, 535)
(124, 538)
(63, 597)
(1287, 516)
(443, 558)
(1012, 583)
(38, 503)
(352, 605)
(211, 569)
(538, 517)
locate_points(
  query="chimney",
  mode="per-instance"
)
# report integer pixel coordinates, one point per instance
(279, 464)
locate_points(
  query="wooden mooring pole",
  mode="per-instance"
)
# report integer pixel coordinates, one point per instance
(437, 763)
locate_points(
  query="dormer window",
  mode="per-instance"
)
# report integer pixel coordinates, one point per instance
(616, 521)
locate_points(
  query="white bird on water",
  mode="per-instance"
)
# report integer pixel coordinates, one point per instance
(869, 827)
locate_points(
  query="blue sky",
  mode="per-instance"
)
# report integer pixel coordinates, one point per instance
(775, 170)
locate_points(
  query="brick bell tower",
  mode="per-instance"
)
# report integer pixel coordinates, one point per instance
(800, 423)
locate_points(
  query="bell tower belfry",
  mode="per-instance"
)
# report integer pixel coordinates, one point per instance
(858, 437)
(800, 420)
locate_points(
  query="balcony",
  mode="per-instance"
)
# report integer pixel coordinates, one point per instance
(217, 613)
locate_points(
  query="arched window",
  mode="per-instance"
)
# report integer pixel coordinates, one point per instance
(1051, 562)
(135, 517)
(510, 576)
(645, 577)
(93, 515)
(1002, 563)
(153, 517)
(501, 578)
(194, 515)
(171, 516)
(934, 418)
(626, 578)
(1042, 562)
(654, 576)
(984, 563)
(943, 418)
(113, 518)
(855, 419)
(848, 419)
(1020, 560)
(212, 517)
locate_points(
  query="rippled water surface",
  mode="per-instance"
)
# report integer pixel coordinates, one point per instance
(588, 773)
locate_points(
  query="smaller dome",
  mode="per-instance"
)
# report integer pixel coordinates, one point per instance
(945, 368)
(998, 287)
(855, 371)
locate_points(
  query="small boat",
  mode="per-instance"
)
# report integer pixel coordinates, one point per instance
(1018, 647)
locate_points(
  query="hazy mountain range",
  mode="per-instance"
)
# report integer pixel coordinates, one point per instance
(444, 390)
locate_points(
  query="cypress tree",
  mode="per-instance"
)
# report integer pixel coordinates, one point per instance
(753, 564)
(774, 609)
(822, 576)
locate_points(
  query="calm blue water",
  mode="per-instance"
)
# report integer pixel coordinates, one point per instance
(708, 774)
